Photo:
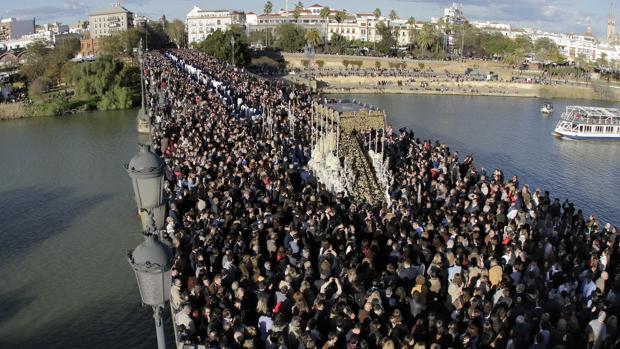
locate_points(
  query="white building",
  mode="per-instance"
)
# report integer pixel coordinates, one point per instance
(46, 37)
(572, 46)
(201, 23)
(356, 26)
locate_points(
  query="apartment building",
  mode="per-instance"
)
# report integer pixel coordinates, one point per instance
(201, 23)
(108, 21)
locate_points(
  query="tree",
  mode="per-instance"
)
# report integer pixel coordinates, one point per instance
(176, 32)
(268, 7)
(547, 51)
(601, 62)
(428, 38)
(338, 43)
(393, 15)
(377, 14)
(291, 37)
(297, 12)
(107, 82)
(325, 11)
(218, 45)
(515, 57)
(36, 56)
(340, 17)
(313, 37)
(388, 40)
(412, 30)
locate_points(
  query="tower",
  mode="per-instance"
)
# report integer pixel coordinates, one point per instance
(611, 25)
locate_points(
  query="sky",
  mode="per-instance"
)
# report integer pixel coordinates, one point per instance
(571, 16)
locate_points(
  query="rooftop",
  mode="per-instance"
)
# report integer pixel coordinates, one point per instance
(117, 8)
(345, 106)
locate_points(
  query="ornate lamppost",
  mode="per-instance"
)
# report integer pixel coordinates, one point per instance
(143, 116)
(151, 262)
(309, 53)
(146, 171)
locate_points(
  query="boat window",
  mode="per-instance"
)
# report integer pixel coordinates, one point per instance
(580, 128)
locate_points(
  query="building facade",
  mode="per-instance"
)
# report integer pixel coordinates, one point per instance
(201, 23)
(109, 21)
(12, 28)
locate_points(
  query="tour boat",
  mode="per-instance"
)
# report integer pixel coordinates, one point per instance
(589, 123)
(547, 108)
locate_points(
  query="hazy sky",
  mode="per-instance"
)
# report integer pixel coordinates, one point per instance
(553, 15)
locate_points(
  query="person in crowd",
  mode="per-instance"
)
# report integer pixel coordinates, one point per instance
(266, 257)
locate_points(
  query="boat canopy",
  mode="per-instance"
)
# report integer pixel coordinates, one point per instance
(592, 115)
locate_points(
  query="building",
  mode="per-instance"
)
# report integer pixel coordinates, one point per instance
(56, 27)
(201, 23)
(612, 37)
(80, 27)
(452, 15)
(89, 47)
(25, 40)
(11, 28)
(108, 21)
(354, 26)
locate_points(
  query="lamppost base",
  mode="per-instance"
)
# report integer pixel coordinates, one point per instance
(143, 124)
(159, 214)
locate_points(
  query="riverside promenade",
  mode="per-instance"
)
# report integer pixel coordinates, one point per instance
(267, 256)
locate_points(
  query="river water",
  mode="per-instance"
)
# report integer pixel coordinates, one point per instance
(67, 213)
(511, 134)
(67, 219)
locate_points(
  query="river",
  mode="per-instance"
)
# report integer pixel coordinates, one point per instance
(511, 134)
(68, 215)
(67, 219)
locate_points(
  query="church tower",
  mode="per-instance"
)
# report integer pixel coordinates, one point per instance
(611, 25)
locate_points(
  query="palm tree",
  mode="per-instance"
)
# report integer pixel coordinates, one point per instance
(393, 15)
(268, 7)
(426, 37)
(325, 15)
(340, 17)
(377, 14)
(412, 30)
(313, 37)
(298, 8)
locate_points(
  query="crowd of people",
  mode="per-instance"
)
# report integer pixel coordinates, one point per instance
(266, 257)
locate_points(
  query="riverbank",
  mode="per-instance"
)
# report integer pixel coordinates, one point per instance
(58, 107)
(392, 85)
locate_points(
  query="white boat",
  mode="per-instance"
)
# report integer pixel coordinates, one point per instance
(547, 108)
(589, 123)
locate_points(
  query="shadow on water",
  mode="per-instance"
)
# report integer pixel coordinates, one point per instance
(118, 327)
(12, 302)
(33, 214)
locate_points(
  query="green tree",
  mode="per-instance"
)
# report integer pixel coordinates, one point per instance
(377, 14)
(340, 17)
(218, 44)
(325, 11)
(107, 82)
(393, 15)
(428, 38)
(176, 32)
(313, 37)
(547, 51)
(268, 8)
(297, 12)
(412, 30)
(36, 57)
(291, 37)
(338, 44)
(388, 39)
(515, 57)
(602, 62)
